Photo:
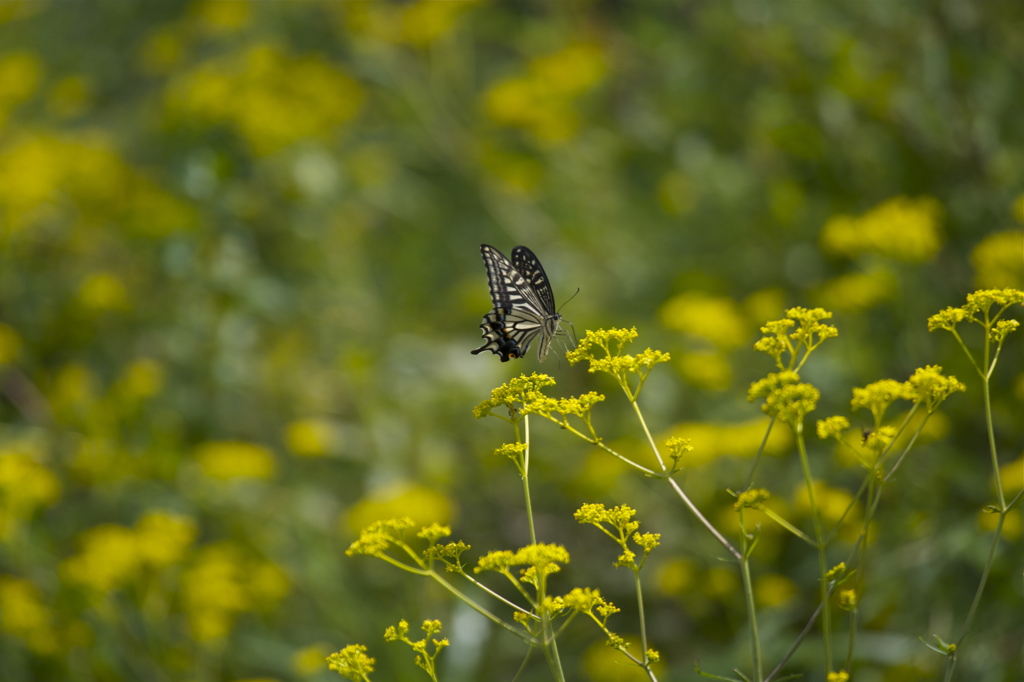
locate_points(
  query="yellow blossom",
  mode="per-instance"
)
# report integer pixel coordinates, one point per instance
(717, 319)
(996, 260)
(226, 460)
(902, 228)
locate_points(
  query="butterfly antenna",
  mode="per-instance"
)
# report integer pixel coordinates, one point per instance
(568, 299)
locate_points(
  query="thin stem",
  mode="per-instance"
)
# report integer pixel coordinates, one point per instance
(526, 481)
(707, 524)
(650, 438)
(757, 457)
(748, 590)
(826, 621)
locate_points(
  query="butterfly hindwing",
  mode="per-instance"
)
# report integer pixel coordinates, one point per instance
(524, 306)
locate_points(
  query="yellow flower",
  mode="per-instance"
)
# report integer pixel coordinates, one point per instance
(234, 459)
(142, 379)
(422, 504)
(424, 22)
(271, 97)
(902, 228)
(710, 371)
(109, 558)
(219, 17)
(310, 437)
(163, 538)
(223, 583)
(542, 101)
(25, 615)
(858, 291)
(773, 589)
(25, 486)
(717, 319)
(20, 74)
(996, 260)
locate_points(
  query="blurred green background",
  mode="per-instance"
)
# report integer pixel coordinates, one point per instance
(240, 279)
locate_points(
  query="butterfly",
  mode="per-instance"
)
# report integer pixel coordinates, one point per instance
(524, 306)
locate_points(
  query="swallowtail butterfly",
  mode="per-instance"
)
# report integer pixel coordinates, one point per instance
(524, 306)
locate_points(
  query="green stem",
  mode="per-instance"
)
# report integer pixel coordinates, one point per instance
(526, 481)
(748, 590)
(826, 620)
(650, 438)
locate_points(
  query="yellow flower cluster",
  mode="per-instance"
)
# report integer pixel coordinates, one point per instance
(112, 556)
(751, 499)
(351, 662)
(224, 582)
(795, 336)
(24, 614)
(26, 486)
(379, 536)
(271, 97)
(40, 173)
(540, 559)
(785, 397)
(902, 228)
(226, 460)
(543, 100)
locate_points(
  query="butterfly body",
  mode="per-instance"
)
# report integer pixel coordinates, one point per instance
(524, 307)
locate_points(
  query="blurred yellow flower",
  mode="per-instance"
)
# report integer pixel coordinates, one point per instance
(142, 379)
(998, 260)
(902, 228)
(39, 174)
(25, 486)
(719, 581)
(740, 439)
(103, 291)
(109, 558)
(224, 582)
(832, 504)
(857, 291)
(675, 577)
(310, 437)
(708, 370)
(25, 615)
(542, 101)
(20, 74)
(10, 344)
(423, 22)
(1017, 208)
(164, 538)
(272, 98)
(311, 659)
(235, 459)
(717, 319)
(418, 502)
(74, 388)
(219, 17)
(773, 589)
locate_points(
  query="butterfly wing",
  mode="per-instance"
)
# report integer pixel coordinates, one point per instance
(528, 265)
(508, 333)
(524, 306)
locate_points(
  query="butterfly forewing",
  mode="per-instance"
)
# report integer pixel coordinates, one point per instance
(532, 271)
(524, 306)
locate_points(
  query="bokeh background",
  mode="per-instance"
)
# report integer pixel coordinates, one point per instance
(240, 279)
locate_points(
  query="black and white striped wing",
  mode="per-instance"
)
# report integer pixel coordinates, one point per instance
(509, 289)
(523, 305)
(528, 265)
